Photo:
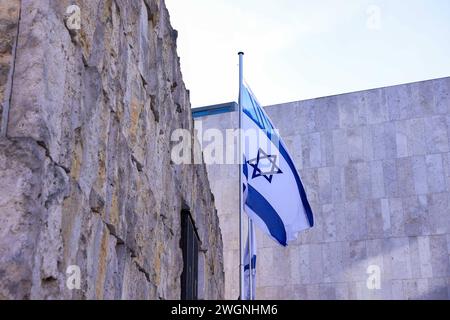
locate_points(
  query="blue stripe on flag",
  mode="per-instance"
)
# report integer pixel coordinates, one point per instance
(288, 159)
(247, 266)
(245, 170)
(305, 202)
(267, 213)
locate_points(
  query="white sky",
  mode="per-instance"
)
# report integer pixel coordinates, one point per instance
(299, 49)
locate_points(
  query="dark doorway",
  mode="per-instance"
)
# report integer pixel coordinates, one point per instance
(190, 247)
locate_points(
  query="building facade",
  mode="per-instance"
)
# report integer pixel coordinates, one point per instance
(376, 168)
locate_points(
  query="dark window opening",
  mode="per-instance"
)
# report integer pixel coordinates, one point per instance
(190, 248)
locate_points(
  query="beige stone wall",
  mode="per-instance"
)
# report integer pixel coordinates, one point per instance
(85, 171)
(376, 167)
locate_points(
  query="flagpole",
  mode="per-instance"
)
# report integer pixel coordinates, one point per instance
(241, 202)
(250, 254)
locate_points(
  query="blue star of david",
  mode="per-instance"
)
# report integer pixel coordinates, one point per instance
(257, 172)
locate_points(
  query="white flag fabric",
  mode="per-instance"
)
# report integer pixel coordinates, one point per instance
(273, 192)
(250, 238)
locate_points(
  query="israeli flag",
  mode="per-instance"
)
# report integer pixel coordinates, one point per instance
(273, 193)
(247, 274)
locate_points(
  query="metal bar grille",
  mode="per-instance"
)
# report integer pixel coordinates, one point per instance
(190, 247)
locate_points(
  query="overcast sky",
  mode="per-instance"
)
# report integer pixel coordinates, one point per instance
(299, 49)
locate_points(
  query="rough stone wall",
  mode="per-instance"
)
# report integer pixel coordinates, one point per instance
(85, 171)
(9, 17)
(376, 168)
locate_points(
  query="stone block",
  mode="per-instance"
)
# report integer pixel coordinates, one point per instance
(439, 220)
(294, 265)
(397, 217)
(327, 292)
(398, 292)
(282, 276)
(448, 127)
(333, 262)
(368, 150)
(283, 120)
(321, 116)
(446, 159)
(329, 217)
(375, 252)
(415, 289)
(352, 191)
(300, 292)
(439, 257)
(356, 227)
(364, 180)
(306, 117)
(415, 257)
(376, 101)
(374, 218)
(424, 97)
(342, 291)
(304, 264)
(326, 138)
(325, 188)
(312, 151)
(355, 144)
(386, 216)
(316, 263)
(416, 136)
(378, 141)
(390, 143)
(399, 104)
(295, 149)
(332, 113)
(313, 292)
(265, 260)
(436, 134)
(401, 137)
(337, 187)
(355, 258)
(437, 289)
(399, 253)
(420, 177)
(441, 90)
(352, 111)
(416, 215)
(435, 173)
(377, 181)
(405, 176)
(310, 181)
(391, 183)
(448, 244)
(340, 147)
